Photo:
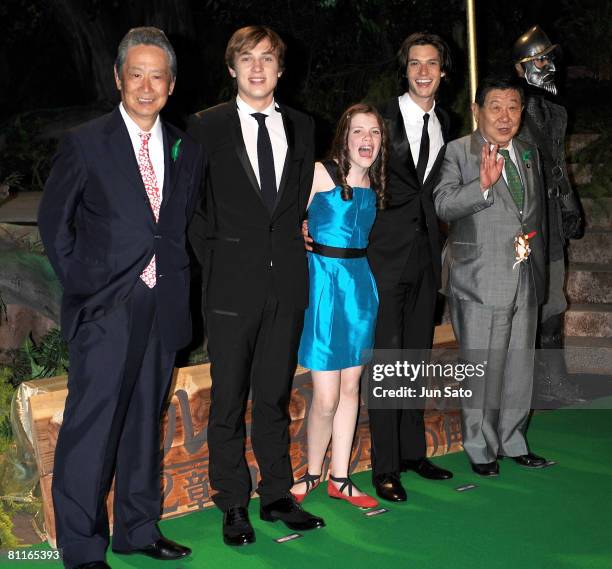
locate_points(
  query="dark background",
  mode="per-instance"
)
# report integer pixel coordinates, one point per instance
(56, 59)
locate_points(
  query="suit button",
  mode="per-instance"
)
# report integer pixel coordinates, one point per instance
(415, 219)
(272, 228)
(160, 276)
(157, 236)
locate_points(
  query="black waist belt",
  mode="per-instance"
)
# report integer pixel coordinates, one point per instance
(337, 252)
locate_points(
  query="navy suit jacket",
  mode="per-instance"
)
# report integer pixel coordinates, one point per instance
(99, 231)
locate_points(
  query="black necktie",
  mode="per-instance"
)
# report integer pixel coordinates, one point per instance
(267, 177)
(424, 150)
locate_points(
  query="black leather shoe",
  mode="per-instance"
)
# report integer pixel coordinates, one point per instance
(486, 468)
(163, 549)
(288, 511)
(530, 460)
(426, 469)
(388, 487)
(93, 565)
(237, 529)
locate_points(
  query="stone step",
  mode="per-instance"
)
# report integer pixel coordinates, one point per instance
(594, 247)
(588, 355)
(591, 320)
(589, 283)
(598, 212)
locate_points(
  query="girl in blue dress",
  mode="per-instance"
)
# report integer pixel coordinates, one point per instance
(339, 322)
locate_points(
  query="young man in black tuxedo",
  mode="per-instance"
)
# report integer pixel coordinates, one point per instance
(259, 164)
(113, 220)
(404, 252)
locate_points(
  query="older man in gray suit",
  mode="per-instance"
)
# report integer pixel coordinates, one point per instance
(490, 193)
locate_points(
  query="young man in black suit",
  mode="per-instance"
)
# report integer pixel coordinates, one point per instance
(404, 252)
(259, 164)
(113, 220)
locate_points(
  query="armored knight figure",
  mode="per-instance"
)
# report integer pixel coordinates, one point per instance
(544, 124)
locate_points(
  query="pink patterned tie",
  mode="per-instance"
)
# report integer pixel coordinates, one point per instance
(150, 183)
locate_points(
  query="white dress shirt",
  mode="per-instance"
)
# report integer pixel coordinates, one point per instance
(156, 145)
(276, 129)
(413, 123)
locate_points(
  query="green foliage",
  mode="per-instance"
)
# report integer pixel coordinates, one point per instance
(6, 395)
(49, 357)
(197, 356)
(7, 539)
(382, 89)
(26, 155)
(31, 361)
(17, 494)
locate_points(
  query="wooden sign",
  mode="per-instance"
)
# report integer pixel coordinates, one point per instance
(185, 483)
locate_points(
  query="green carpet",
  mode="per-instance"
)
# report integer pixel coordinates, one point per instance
(559, 517)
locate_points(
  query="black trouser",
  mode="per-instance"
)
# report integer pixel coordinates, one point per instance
(117, 385)
(255, 350)
(405, 321)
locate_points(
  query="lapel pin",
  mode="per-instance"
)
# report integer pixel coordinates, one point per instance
(175, 149)
(527, 158)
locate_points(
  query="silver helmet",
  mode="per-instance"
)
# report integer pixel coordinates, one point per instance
(536, 54)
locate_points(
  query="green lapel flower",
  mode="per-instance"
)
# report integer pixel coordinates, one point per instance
(175, 149)
(526, 156)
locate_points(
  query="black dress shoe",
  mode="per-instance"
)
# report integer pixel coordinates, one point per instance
(237, 529)
(163, 549)
(93, 565)
(530, 460)
(388, 487)
(288, 511)
(427, 469)
(486, 468)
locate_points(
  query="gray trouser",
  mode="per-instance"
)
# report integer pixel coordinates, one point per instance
(495, 418)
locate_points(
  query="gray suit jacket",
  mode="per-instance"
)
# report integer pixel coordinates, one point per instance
(479, 254)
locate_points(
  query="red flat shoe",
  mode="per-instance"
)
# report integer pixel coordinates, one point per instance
(311, 481)
(364, 501)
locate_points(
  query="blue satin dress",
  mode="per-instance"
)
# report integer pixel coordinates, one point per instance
(341, 315)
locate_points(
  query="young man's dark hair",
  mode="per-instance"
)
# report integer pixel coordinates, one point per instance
(424, 38)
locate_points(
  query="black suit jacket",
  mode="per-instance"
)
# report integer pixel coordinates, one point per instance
(393, 232)
(99, 231)
(245, 252)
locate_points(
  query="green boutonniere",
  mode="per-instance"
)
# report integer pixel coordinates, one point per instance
(526, 156)
(175, 150)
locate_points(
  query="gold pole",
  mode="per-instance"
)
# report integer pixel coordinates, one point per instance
(473, 62)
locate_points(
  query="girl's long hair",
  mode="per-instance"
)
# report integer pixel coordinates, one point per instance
(339, 152)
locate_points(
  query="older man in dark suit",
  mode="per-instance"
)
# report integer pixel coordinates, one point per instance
(246, 234)
(113, 221)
